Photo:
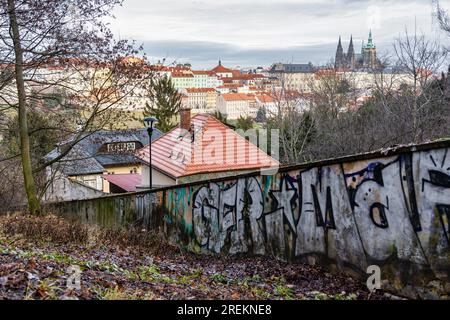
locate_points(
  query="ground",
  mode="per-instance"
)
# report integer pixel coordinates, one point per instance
(38, 269)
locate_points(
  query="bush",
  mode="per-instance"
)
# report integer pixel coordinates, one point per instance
(132, 237)
(44, 228)
(57, 230)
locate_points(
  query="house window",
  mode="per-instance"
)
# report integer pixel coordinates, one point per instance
(121, 147)
(91, 183)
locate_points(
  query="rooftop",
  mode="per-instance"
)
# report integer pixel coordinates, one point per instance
(127, 182)
(238, 97)
(90, 155)
(200, 90)
(221, 69)
(211, 147)
(292, 68)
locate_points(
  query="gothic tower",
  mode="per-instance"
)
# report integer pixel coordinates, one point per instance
(370, 53)
(340, 58)
(351, 55)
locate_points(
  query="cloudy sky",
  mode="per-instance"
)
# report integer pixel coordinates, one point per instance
(259, 32)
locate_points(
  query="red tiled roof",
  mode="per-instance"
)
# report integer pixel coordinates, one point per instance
(221, 69)
(231, 85)
(236, 73)
(265, 98)
(200, 90)
(238, 96)
(127, 182)
(205, 72)
(176, 74)
(216, 148)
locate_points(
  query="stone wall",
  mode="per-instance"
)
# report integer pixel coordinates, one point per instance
(389, 208)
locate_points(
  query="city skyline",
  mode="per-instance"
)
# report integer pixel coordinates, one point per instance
(259, 33)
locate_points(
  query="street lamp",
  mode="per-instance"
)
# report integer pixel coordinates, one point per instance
(149, 122)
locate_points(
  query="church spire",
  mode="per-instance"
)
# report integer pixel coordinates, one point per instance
(351, 49)
(370, 44)
(351, 54)
(339, 61)
(340, 44)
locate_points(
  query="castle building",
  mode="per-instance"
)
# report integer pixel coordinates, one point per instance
(351, 60)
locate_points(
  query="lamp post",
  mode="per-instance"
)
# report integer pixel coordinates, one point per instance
(149, 122)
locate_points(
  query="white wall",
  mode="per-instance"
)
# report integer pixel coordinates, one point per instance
(158, 179)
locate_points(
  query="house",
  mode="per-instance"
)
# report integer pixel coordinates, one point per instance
(92, 161)
(293, 76)
(235, 105)
(201, 147)
(222, 72)
(200, 100)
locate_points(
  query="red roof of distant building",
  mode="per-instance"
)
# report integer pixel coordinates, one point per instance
(216, 148)
(127, 182)
(205, 72)
(324, 72)
(178, 74)
(265, 98)
(200, 90)
(238, 96)
(221, 69)
(231, 85)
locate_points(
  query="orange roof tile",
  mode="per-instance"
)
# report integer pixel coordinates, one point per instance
(238, 96)
(177, 74)
(205, 72)
(200, 90)
(265, 98)
(221, 69)
(231, 85)
(216, 148)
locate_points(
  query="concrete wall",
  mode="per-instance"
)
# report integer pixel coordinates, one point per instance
(63, 188)
(391, 209)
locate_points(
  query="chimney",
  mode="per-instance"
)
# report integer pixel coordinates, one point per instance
(185, 119)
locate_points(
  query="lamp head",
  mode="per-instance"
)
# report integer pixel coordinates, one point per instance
(150, 121)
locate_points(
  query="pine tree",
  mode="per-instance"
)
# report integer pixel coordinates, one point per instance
(165, 103)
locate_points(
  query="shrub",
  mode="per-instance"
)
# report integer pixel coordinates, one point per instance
(44, 228)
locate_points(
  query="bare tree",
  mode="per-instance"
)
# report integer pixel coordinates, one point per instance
(421, 59)
(289, 115)
(63, 47)
(442, 17)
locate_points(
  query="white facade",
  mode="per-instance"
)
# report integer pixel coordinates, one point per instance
(159, 179)
(233, 108)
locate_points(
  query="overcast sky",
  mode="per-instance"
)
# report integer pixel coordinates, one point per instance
(259, 32)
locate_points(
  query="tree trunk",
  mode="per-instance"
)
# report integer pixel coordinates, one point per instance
(30, 188)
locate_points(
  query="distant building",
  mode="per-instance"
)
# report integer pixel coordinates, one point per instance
(351, 60)
(200, 100)
(293, 76)
(235, 105)
(200, 148)
(222, 72)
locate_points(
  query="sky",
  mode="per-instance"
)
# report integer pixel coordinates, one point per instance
(251, 33)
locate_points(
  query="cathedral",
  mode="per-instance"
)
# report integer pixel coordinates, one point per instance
(351, 60)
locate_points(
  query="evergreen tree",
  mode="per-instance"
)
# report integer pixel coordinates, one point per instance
(165, 103)
(244, 123)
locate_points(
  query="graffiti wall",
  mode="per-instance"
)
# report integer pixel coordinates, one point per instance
(390, 211)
